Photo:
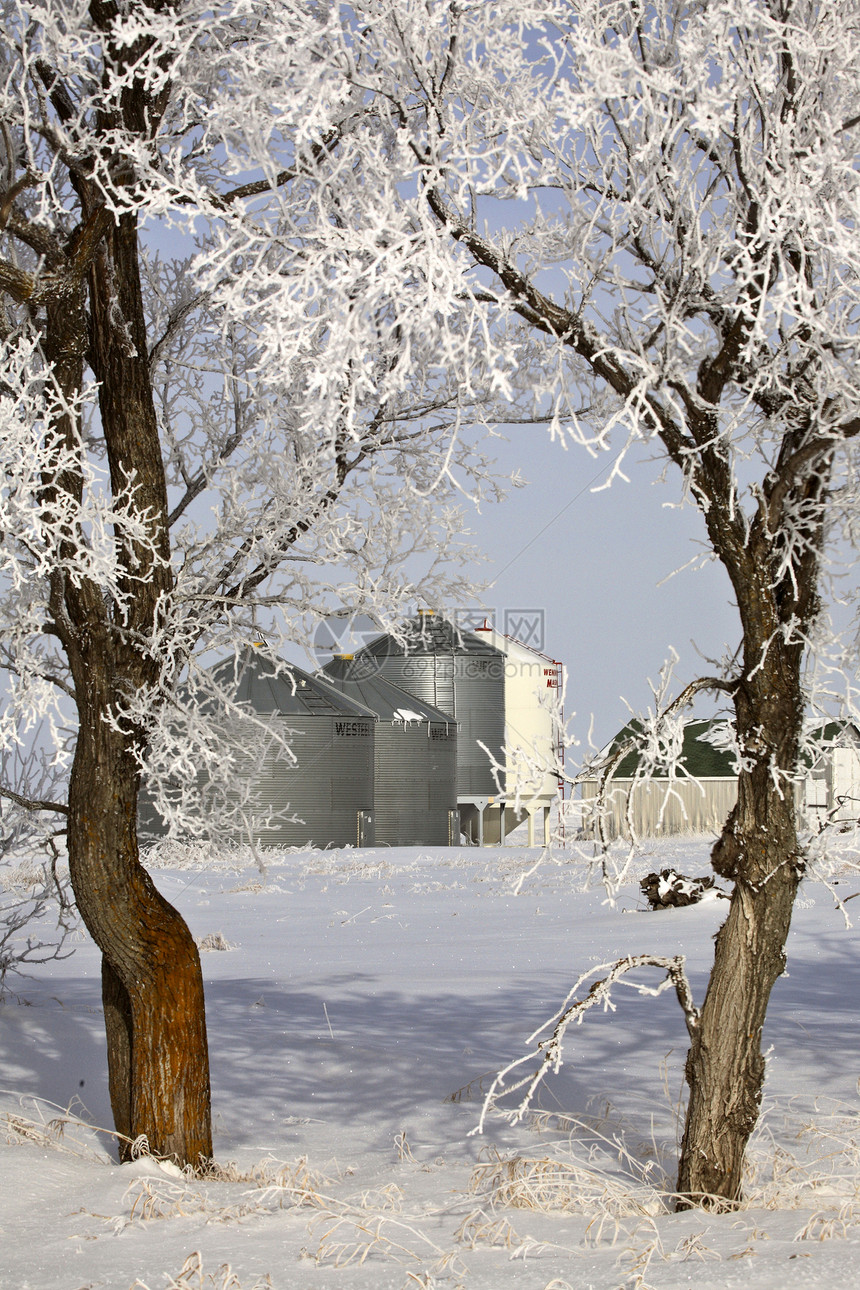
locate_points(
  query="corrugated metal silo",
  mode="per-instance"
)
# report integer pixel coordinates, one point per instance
(415, 756)
(462, 675)
(332, 738)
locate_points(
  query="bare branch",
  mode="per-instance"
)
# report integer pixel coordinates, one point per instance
(37, 805)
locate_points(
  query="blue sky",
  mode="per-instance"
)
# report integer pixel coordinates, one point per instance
(584, 574)
(595, 564)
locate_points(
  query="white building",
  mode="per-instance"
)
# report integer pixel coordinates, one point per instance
(533, 756)
(698, 799)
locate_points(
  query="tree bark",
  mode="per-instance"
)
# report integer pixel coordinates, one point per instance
(725, 1067)
(758, 850)
(152, 982)
(151, 978)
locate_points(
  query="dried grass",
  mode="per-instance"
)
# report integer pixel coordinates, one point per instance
(168, 853)
(824, 1226)
(191, 1276)
(809, 1163)
(810, 1159)
(22, 877)
(151, 1199)
(50, 1126)
(170, 1192)
(480, 1228)
(274, 1186)
(404, 1151)
(267, 1173)
(637, 1258)
(566, 1186)
(353, 1236)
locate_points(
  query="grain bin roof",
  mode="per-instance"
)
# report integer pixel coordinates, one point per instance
(431, 634)
(390, 703)
(269, 688)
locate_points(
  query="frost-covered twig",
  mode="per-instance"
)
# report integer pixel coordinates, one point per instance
(549, 1051)
(32, 885)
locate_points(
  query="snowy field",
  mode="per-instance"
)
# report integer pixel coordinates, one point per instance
(358, 1006)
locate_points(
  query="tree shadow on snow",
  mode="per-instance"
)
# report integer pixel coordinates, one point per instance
(348, 1050)
(387, 1055)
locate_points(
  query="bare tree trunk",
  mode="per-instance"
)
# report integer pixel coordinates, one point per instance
(151, 978)
(758, 850)
(725, 1067)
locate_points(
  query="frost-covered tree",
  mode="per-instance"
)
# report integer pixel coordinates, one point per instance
(215, 415)
(631, 219)
(653, 208)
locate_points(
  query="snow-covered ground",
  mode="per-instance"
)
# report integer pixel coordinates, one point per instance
(363, 1004)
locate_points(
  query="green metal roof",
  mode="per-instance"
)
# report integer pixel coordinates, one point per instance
(826, 735)
(699, 757)
(702, 760)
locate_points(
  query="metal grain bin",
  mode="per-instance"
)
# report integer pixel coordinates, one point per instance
(332, 740)
(464, 676)
(415, 757)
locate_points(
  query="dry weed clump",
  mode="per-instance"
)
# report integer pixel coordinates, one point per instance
(224, 856)
(353, 1236)
(814, 1164)
(480, 1228)
(21, 877)
(191, 1276)
(826, 1225)
(168, 1192)
(273, 1186)
(637, 1258)
(64, 1131)
(160, 1198)
(550, 1185)
(19, 1127)
(268, 1172)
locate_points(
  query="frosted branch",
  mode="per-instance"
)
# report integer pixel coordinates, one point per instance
(549, 1052)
